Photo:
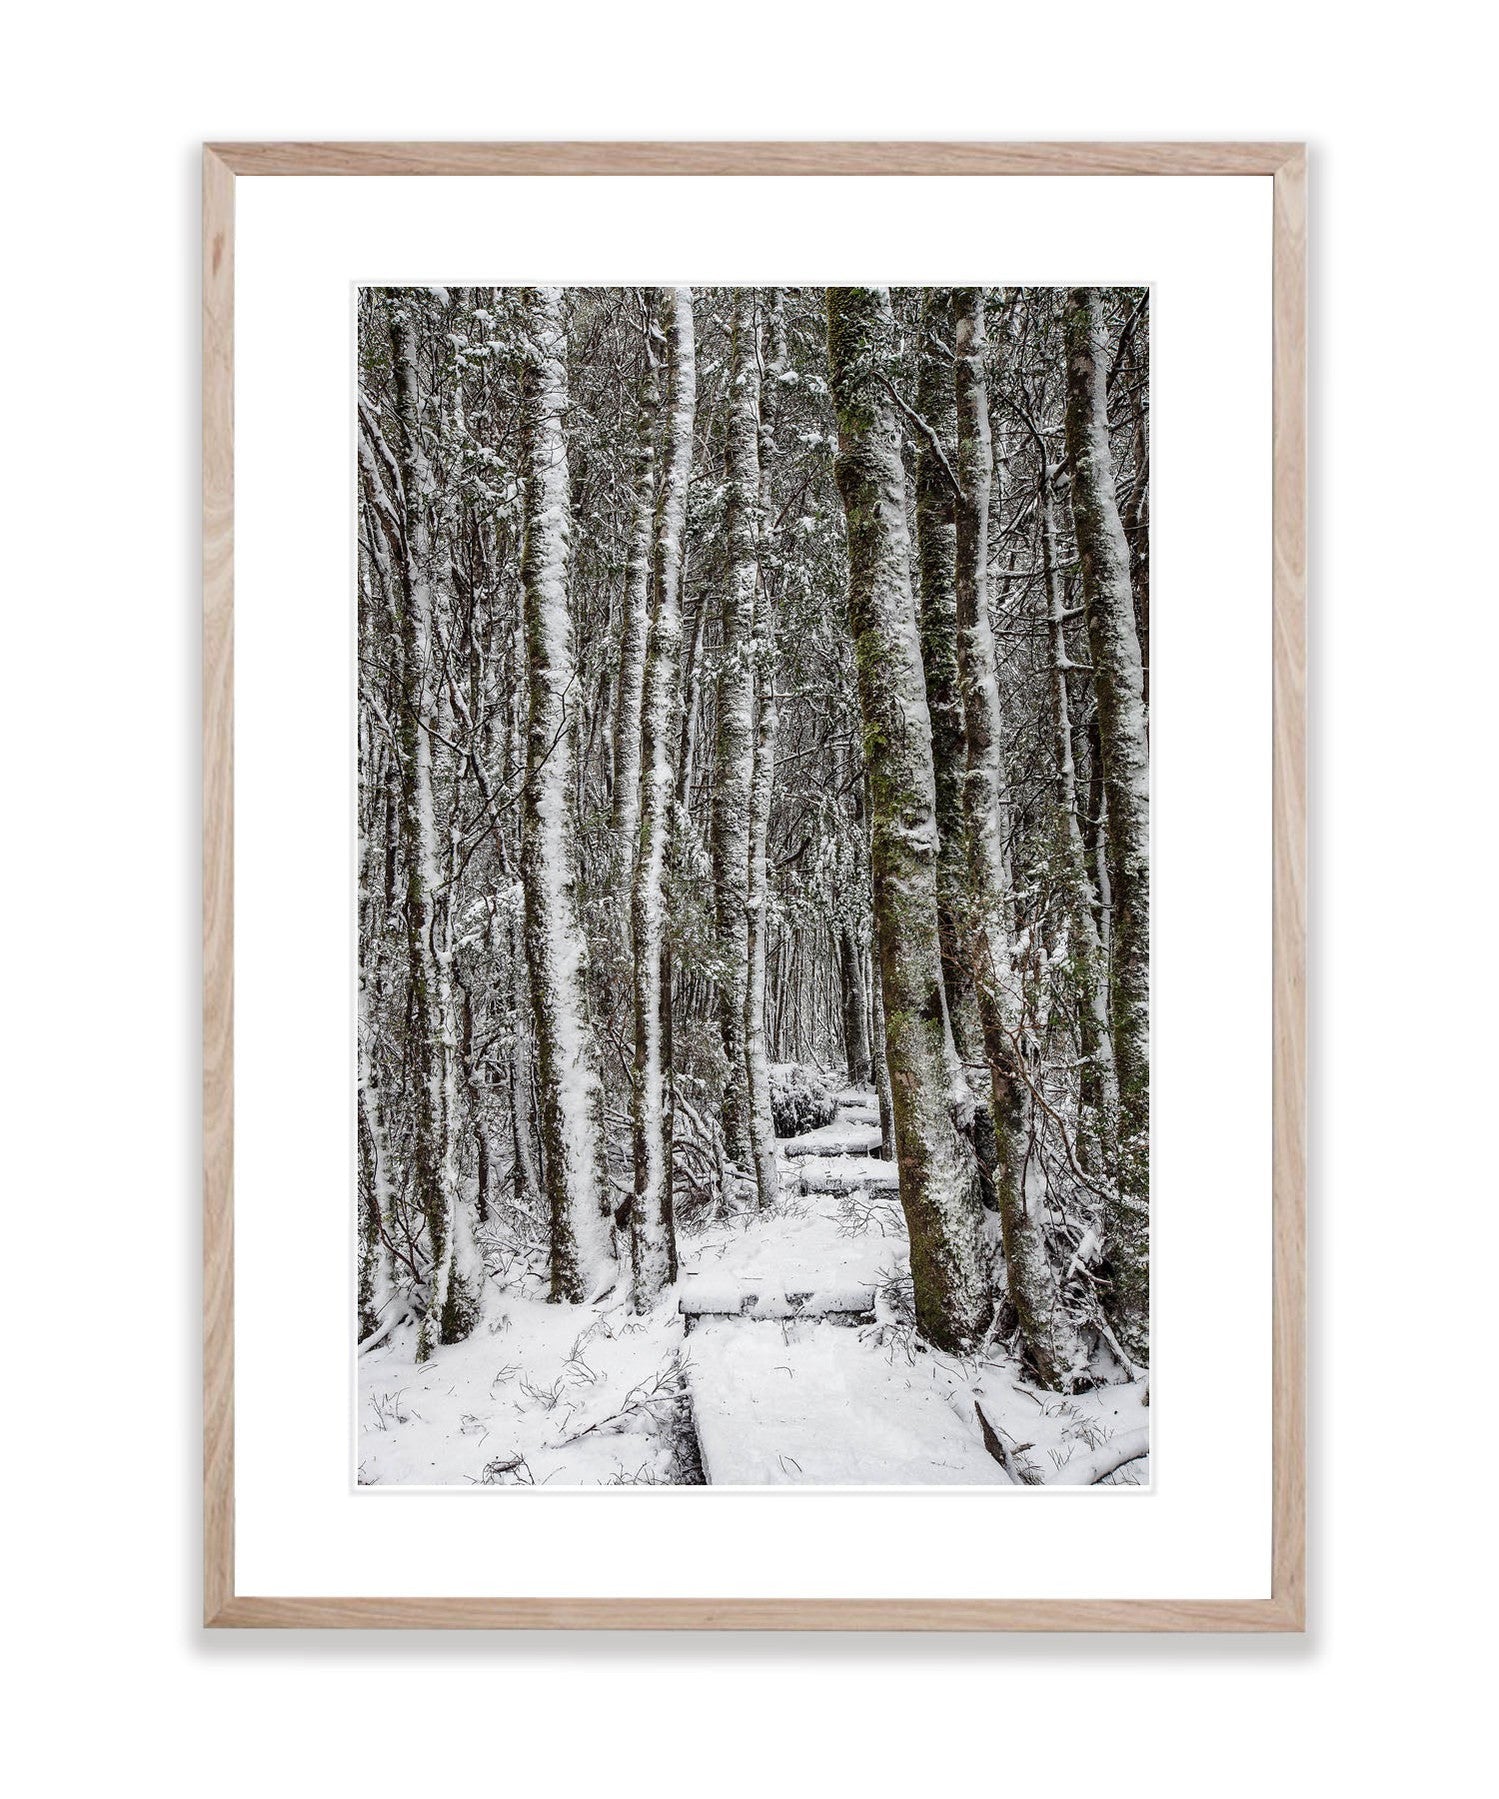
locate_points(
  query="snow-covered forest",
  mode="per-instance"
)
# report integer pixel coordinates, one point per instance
(753, 1042)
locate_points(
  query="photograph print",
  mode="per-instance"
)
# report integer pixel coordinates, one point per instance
(753, 1038)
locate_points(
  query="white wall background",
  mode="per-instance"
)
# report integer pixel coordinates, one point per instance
(104, 108)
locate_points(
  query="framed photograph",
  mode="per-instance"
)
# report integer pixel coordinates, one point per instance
(754, 886)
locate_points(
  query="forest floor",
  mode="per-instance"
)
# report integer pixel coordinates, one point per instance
(785, 1355)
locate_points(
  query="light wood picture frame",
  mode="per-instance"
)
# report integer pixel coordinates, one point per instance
(1284, 1610)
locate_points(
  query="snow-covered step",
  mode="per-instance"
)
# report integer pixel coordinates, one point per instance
(836, 1140)
(807, 1403)
(745, 1296)
(849, 1174)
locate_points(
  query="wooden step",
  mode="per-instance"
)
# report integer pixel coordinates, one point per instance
(864, 1140)
(706, 1296)
(883, 1179)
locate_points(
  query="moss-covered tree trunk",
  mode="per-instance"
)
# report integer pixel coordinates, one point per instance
(938, 1174)
(937, 560)
(990, 939)
(653, 1245)
(734, 748)
(574, 1171)
(1118, 680)
(937, 554)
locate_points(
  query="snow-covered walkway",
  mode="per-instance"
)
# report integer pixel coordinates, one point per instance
(802, 1369)
(788, 1373)
(785, 1355)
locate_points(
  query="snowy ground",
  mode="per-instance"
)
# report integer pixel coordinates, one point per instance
(797, 1364)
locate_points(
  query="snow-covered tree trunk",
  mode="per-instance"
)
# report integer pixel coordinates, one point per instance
(938, 1174)
(374, 1152)
(990, 941)
(1096, 838)
(1118, 681)
(690, 687)
(379, 810)
(434, 1173)
(652, 1236)
(734, 749)
(761, 1126)
(626, 799)
(522, 1098)
(1099, 1125)
(521, 1060)
(762, 784)
(937, 561)
(556, 948)
(1129, 369)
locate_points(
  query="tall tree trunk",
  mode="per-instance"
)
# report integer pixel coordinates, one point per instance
(556, 948)
(476, 1099)
(1097, 835)
(378, 791)
(938, 1173)
(762, 784)
(937, 553)
(855, 1017)
(990, 944)
(625, 819)
(1099, 1121)
(848, 950)
(520, 1061)
(690, 685)
(522, 1109)
(880, 1062)
(450, 1308)
(1135, 512)
(878, 1047)
(374, 1154)
(734, 750)
(1118, 680)
(652, 1236)
(937, 557)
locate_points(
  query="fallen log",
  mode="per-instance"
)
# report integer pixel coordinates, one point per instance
(1087, 1470)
